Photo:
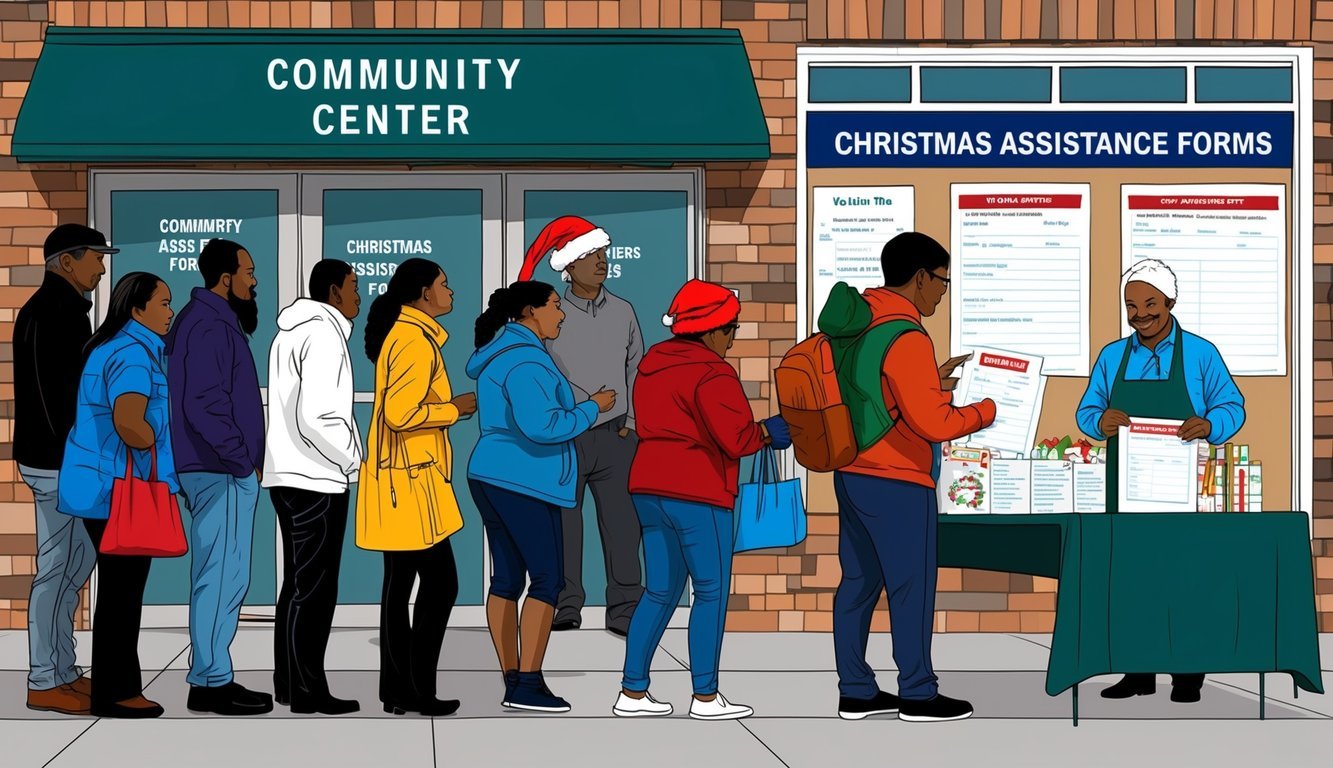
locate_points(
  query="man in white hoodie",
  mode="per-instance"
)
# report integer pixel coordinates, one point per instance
(312, 455)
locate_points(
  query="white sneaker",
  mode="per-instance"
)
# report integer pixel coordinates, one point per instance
(718, 709)
(628, 706)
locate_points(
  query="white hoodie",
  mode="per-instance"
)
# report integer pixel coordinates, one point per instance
(313, 443)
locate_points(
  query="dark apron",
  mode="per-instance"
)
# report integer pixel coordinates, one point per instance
(1167, 399)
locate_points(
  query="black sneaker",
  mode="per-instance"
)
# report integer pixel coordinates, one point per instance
(566, 625)
(936, 710)
(859, 709)
(1186, 694)
(1130, 686)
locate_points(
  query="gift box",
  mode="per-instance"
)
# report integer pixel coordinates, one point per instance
(1052, 448)
(1084, 452)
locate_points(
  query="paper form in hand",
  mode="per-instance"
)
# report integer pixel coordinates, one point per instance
(1014, 381)
(1158, 470)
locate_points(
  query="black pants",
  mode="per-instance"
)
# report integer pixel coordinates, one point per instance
(410, 651)
(121, 580)
(1194, 682)
(312, 526)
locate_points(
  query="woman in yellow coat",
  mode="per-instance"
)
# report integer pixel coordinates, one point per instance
(405, 504)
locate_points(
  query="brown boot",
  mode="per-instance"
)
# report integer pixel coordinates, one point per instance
(63, 699)
(83, 686)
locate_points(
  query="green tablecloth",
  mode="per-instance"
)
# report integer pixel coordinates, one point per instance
(1159, 593)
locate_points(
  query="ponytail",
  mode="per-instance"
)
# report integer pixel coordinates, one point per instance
(507, 305)
(408, 281)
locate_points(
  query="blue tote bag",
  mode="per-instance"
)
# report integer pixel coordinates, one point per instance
(769, 512)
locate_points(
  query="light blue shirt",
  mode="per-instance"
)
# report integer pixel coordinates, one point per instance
(1211, 389)
(131, 362)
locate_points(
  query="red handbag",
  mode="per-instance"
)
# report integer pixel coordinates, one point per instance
(145, 518)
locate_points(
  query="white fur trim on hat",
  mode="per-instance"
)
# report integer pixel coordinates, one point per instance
(579, 247)
(1154, 273)
(668, 320)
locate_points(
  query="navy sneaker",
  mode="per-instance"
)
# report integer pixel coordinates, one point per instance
(859, 709)
(531, 694)
(511, 682)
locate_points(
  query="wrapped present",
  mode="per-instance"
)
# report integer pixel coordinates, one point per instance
(1053, 448)
(1082, 452)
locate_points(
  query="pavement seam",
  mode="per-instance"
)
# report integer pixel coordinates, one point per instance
(57, 755)
(763, 744)
(1271, 700)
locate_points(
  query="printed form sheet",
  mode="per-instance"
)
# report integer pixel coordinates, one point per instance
(1020, 278)
(851, 226)
(1014, 381)
(1227, 246)
(1159, 472)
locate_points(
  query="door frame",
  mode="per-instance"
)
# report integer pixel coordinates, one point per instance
(101, 185)
(313, 185)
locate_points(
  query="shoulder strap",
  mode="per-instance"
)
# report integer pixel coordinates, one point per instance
(860, 375)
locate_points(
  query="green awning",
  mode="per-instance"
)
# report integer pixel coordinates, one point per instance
(650, 96)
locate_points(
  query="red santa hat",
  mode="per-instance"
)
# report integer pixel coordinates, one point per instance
(567, 239)
(700, 307)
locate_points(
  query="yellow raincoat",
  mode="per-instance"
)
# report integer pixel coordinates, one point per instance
(405, 499)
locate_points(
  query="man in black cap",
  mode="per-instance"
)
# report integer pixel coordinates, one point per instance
(49, 335)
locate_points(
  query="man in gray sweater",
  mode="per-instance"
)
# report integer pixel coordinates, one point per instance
(599, 347)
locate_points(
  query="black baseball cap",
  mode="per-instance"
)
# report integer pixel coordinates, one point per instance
(68, 238)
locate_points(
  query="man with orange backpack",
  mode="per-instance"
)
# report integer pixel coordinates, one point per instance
(887, 513)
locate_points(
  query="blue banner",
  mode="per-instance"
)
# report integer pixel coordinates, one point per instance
(1049, 139)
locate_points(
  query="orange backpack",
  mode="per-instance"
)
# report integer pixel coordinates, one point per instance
(827, 386)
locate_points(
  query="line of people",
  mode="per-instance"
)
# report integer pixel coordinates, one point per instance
(181, 399)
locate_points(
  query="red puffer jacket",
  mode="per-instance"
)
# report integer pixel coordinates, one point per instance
(694, 425)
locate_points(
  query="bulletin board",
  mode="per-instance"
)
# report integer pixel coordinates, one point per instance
(1270, 439)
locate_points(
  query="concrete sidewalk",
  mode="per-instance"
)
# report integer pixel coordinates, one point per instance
(787, 678)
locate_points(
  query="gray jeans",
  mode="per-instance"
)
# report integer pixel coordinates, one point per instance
(65, 558)
(604, 459)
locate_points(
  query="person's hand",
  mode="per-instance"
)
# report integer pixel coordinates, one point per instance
(1111, 421)
(952, 364)
(605, 399)
(465, 403)
(1195, 428)
(779, 433)
(259, 474)
(949, 384)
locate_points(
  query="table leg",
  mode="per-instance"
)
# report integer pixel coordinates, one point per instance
(1261, 695)
(1075, 705)
(1295, 689)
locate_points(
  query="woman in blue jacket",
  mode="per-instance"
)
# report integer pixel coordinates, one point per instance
(522, 474)
(122, 405)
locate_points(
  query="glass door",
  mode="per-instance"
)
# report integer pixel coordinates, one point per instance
(655, 248)
(160, 221)
(375, 222)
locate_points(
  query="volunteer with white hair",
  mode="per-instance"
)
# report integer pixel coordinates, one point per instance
(1160, 371)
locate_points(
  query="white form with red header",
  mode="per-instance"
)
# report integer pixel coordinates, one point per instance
(1014, 381)
(1159, 472)
(1227, 245)
(1021, 272)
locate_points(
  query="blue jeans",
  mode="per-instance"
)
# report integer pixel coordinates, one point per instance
(681, 538)
(222, 529)
(65, 557)
(886, 541)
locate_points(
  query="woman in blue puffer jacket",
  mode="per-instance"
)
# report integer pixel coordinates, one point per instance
(522, 474)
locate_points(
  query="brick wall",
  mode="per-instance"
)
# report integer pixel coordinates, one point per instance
(751, 230)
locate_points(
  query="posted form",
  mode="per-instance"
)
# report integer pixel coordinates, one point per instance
(851, 226)
(1158, 470)
(1021, 272)
(1227, 245)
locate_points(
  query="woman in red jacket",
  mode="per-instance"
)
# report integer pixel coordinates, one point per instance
(694, 427)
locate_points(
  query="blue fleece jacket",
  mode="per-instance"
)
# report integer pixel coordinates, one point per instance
(528, 419)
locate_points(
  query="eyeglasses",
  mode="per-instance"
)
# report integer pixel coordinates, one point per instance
(944, 280)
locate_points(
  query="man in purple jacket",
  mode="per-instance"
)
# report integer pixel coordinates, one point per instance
(217, 430)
